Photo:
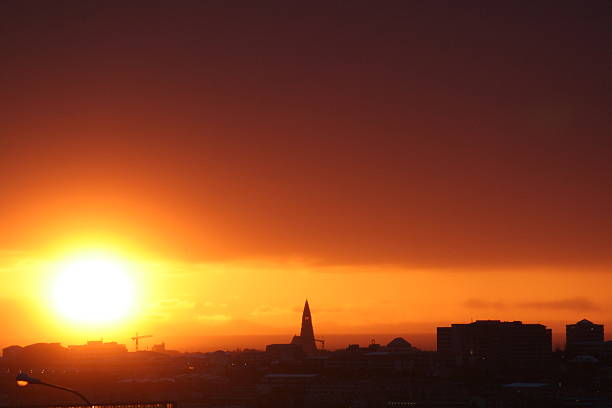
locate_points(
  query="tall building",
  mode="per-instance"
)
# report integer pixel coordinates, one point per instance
(306, 339)
(496, 344)
(584, 337)
(584, 330)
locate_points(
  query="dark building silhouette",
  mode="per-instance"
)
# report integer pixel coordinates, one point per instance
(161, 348)
(584, 330)
(95, 350)
(584, 337)
(496, 344)
(36, 355)
(305, 343)
(285, 352)
(306, 338)
(11, 352)
(399, 344)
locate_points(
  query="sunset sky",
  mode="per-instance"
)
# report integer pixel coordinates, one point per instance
(402, 165)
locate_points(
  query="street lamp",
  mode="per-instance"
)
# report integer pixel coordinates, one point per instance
(23, 379)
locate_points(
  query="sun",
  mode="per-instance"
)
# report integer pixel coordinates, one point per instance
(93, 290)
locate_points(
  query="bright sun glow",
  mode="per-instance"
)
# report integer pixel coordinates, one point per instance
(93, 290)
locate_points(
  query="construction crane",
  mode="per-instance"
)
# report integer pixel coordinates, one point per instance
(322, 343)
(137, 337)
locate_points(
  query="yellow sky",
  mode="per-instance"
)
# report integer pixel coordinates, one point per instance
(182, 303)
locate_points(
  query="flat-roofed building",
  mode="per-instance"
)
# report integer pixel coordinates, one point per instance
(496, 344)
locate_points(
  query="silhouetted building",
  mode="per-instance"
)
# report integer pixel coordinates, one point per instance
(399, 344)
(398, 356)
(306, 339)
(11, 352)
(284, 352)
(527, 394)
(161, 348)
(38, 354)
(496, 344)
(94, 350)
(584, 330)
(305, 343)
(584, 337)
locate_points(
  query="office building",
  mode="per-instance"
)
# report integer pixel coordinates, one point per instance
(496, 344)
(584, 337)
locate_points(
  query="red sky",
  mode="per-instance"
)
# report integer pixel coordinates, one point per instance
(337, 151)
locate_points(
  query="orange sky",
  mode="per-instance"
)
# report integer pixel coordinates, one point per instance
(402, 167)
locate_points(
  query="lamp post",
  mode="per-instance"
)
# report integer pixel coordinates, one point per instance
(24, 379)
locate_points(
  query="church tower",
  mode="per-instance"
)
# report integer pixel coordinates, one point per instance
(306, 338)
(307, 332)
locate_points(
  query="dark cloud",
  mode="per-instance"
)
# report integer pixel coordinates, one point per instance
(419, 134)
(575, 304)
(483, 304)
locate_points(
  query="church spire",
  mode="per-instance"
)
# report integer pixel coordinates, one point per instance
(307, 332)
(306, 338)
